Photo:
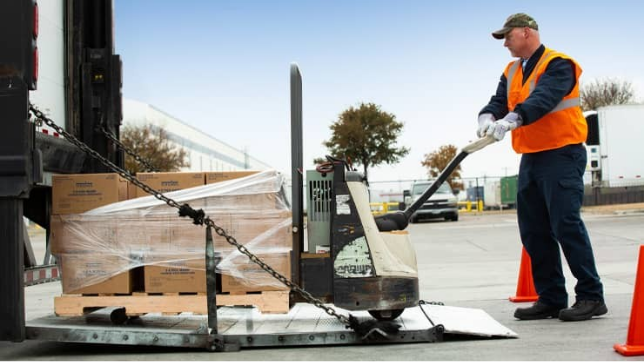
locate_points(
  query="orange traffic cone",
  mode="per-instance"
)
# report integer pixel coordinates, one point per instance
(635, 340)
(525, 286)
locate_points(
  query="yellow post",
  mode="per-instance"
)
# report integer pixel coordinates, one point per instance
(480, 205)
(391, 206)
(469, 206)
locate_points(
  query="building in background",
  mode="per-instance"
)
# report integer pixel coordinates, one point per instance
(205, 153)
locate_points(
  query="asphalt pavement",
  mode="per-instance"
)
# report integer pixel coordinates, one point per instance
(471, 263)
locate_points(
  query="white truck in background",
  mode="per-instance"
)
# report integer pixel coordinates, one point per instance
(614, 135)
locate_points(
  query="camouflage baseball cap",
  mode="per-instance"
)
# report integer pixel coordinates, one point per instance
(518, 20)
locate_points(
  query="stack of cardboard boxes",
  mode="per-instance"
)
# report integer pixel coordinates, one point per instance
(151, 249)
(85, 267)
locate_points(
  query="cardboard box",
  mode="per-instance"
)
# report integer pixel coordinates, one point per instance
(154, 234)
(252, 277)
(75, 194)
(262, 230)
(131, 190)
(161, 234)
(95, 274)
(169, 181)
(235, 203)
(183, 274)
(258, 220)
(213, 177)
(78, 233)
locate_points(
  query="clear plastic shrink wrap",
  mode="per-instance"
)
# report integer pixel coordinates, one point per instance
(106, 244)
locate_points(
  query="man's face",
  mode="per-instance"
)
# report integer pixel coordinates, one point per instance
(515, 41)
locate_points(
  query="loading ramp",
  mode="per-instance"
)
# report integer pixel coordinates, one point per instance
(240, 327)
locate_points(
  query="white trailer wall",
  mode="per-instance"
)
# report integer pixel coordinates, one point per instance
(50, 94)
(620, 137)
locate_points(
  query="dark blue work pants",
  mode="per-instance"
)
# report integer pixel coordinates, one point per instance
(550, 191)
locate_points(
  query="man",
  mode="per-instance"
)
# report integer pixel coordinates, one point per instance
(537, 99)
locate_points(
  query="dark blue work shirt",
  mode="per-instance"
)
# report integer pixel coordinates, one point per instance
(555, 83)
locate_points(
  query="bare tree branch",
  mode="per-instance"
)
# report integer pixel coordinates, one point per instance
(605, 92)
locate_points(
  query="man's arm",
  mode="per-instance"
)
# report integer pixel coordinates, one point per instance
(498, 105)
(556, 82)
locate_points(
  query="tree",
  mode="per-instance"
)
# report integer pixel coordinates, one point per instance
(153, 145)
(438, 160)
(367, 135)
(605, 92)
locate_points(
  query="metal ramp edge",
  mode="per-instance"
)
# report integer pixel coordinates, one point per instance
(304, 325)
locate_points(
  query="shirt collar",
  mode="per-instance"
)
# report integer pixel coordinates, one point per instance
(536, 55)
(534, 58)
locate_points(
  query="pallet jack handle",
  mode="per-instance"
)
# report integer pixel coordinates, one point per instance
(400, 219)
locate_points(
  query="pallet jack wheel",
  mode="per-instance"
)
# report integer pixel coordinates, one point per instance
(118, 316)
(386, 315)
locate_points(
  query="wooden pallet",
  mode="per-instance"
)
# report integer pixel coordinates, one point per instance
(135, 304)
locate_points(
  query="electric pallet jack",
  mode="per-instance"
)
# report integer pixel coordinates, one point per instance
(372, 263)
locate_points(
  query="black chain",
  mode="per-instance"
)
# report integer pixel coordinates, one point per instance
(197, 215)
(129, 151)
(294, 287)
(70, 138)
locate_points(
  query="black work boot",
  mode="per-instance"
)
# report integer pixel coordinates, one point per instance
(583, 310)
(539, 310)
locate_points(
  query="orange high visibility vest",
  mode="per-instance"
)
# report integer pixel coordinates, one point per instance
(564, 125)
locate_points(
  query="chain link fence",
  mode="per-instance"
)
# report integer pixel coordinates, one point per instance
(499, 192)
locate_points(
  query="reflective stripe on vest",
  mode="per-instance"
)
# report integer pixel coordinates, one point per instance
(572, 102)
(511, 72)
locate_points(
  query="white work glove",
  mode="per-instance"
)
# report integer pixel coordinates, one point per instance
(511, 121)
(486, 121)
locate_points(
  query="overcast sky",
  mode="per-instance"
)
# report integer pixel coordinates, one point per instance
(223, 66)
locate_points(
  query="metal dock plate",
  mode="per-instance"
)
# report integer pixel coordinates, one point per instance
(247, 327)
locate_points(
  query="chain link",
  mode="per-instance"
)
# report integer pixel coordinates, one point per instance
(40, 117)
(128, 176)
(129, 151)
(294, 287)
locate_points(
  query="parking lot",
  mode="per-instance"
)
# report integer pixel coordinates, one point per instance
(471, 263)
